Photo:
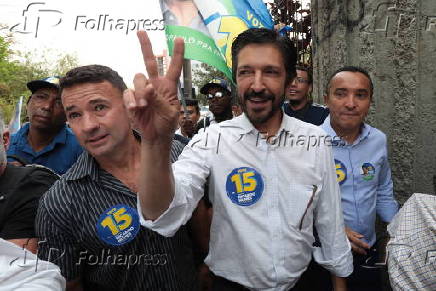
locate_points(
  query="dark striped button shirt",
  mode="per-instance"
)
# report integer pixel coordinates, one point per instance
(67, 226)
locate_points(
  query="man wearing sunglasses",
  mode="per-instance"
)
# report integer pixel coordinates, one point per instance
(218, 94)
(299, 105)
(45, 140)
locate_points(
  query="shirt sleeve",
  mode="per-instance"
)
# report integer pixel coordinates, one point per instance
(56, 244)
(25, 198)
(387, 206)
(335, 251)
(190, 174)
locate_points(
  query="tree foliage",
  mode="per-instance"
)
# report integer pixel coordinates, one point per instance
(17, 68)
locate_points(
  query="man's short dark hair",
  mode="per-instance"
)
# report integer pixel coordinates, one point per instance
(92, 74)
(265, 36)
(353, 69)
(306, 69)
(192, 102)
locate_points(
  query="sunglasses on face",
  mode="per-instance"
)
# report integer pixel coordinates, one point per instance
(218, 94)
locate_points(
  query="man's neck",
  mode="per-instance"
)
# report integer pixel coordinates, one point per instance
(39, 139)
(298, 105)
(226, 115)
(124, 163)
(272, 126)
(349, 136)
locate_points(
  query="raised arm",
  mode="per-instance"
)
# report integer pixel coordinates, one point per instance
(153, 108)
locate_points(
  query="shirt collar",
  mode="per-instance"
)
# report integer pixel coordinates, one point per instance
(84, 166)
(364, 132)
(61, 137)
(246, 126)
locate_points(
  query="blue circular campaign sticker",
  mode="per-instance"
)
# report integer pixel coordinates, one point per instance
(118, 225)
(341, 172)
(244, 186)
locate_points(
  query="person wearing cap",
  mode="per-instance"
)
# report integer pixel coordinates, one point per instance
(219, 96)
(45, 140)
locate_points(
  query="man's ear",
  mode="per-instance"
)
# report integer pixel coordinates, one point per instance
(326, 99)
(6, 139)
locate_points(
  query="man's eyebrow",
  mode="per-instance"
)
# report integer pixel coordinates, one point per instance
(362, 90)
(92, 102)
(98, 100)
(70, 108)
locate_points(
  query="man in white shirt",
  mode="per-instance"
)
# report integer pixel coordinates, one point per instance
(22, 270)
(268, 189)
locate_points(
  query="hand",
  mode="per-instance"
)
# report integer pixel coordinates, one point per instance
(339, 283)
(357, 245)
(153, 106)
(205, 278)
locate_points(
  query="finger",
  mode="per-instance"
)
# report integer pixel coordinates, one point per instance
(359, 243)
(351, 232)
(176, 64)
(362, 244)
(141, 82)
(147, 54)
(129, 99)
(356, 234)
(358, 250)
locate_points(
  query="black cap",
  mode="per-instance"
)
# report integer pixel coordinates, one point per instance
(49, 82)
(216, 82)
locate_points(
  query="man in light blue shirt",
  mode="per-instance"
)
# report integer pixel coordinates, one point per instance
(362, 167)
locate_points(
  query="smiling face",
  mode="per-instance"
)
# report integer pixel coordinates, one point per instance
(96, 114)
(45, 110)
(261, 80)
(348, 98)
(300, 87)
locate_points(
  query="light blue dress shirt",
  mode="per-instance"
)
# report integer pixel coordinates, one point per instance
(364, 176)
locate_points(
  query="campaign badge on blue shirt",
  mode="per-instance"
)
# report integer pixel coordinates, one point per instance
(244, 186)
(367, 171)
(341, 172)
(118, 225)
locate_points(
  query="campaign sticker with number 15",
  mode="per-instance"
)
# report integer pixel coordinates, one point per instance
(244, 186)
(118, 225)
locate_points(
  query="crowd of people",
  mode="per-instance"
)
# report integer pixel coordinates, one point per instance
(128, 189)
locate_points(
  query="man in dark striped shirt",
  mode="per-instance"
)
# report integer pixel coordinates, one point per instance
(87, 223)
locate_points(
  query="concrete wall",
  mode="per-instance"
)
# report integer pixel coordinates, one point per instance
(396, 41)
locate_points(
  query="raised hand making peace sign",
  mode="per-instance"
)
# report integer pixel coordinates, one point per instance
(153, 105)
